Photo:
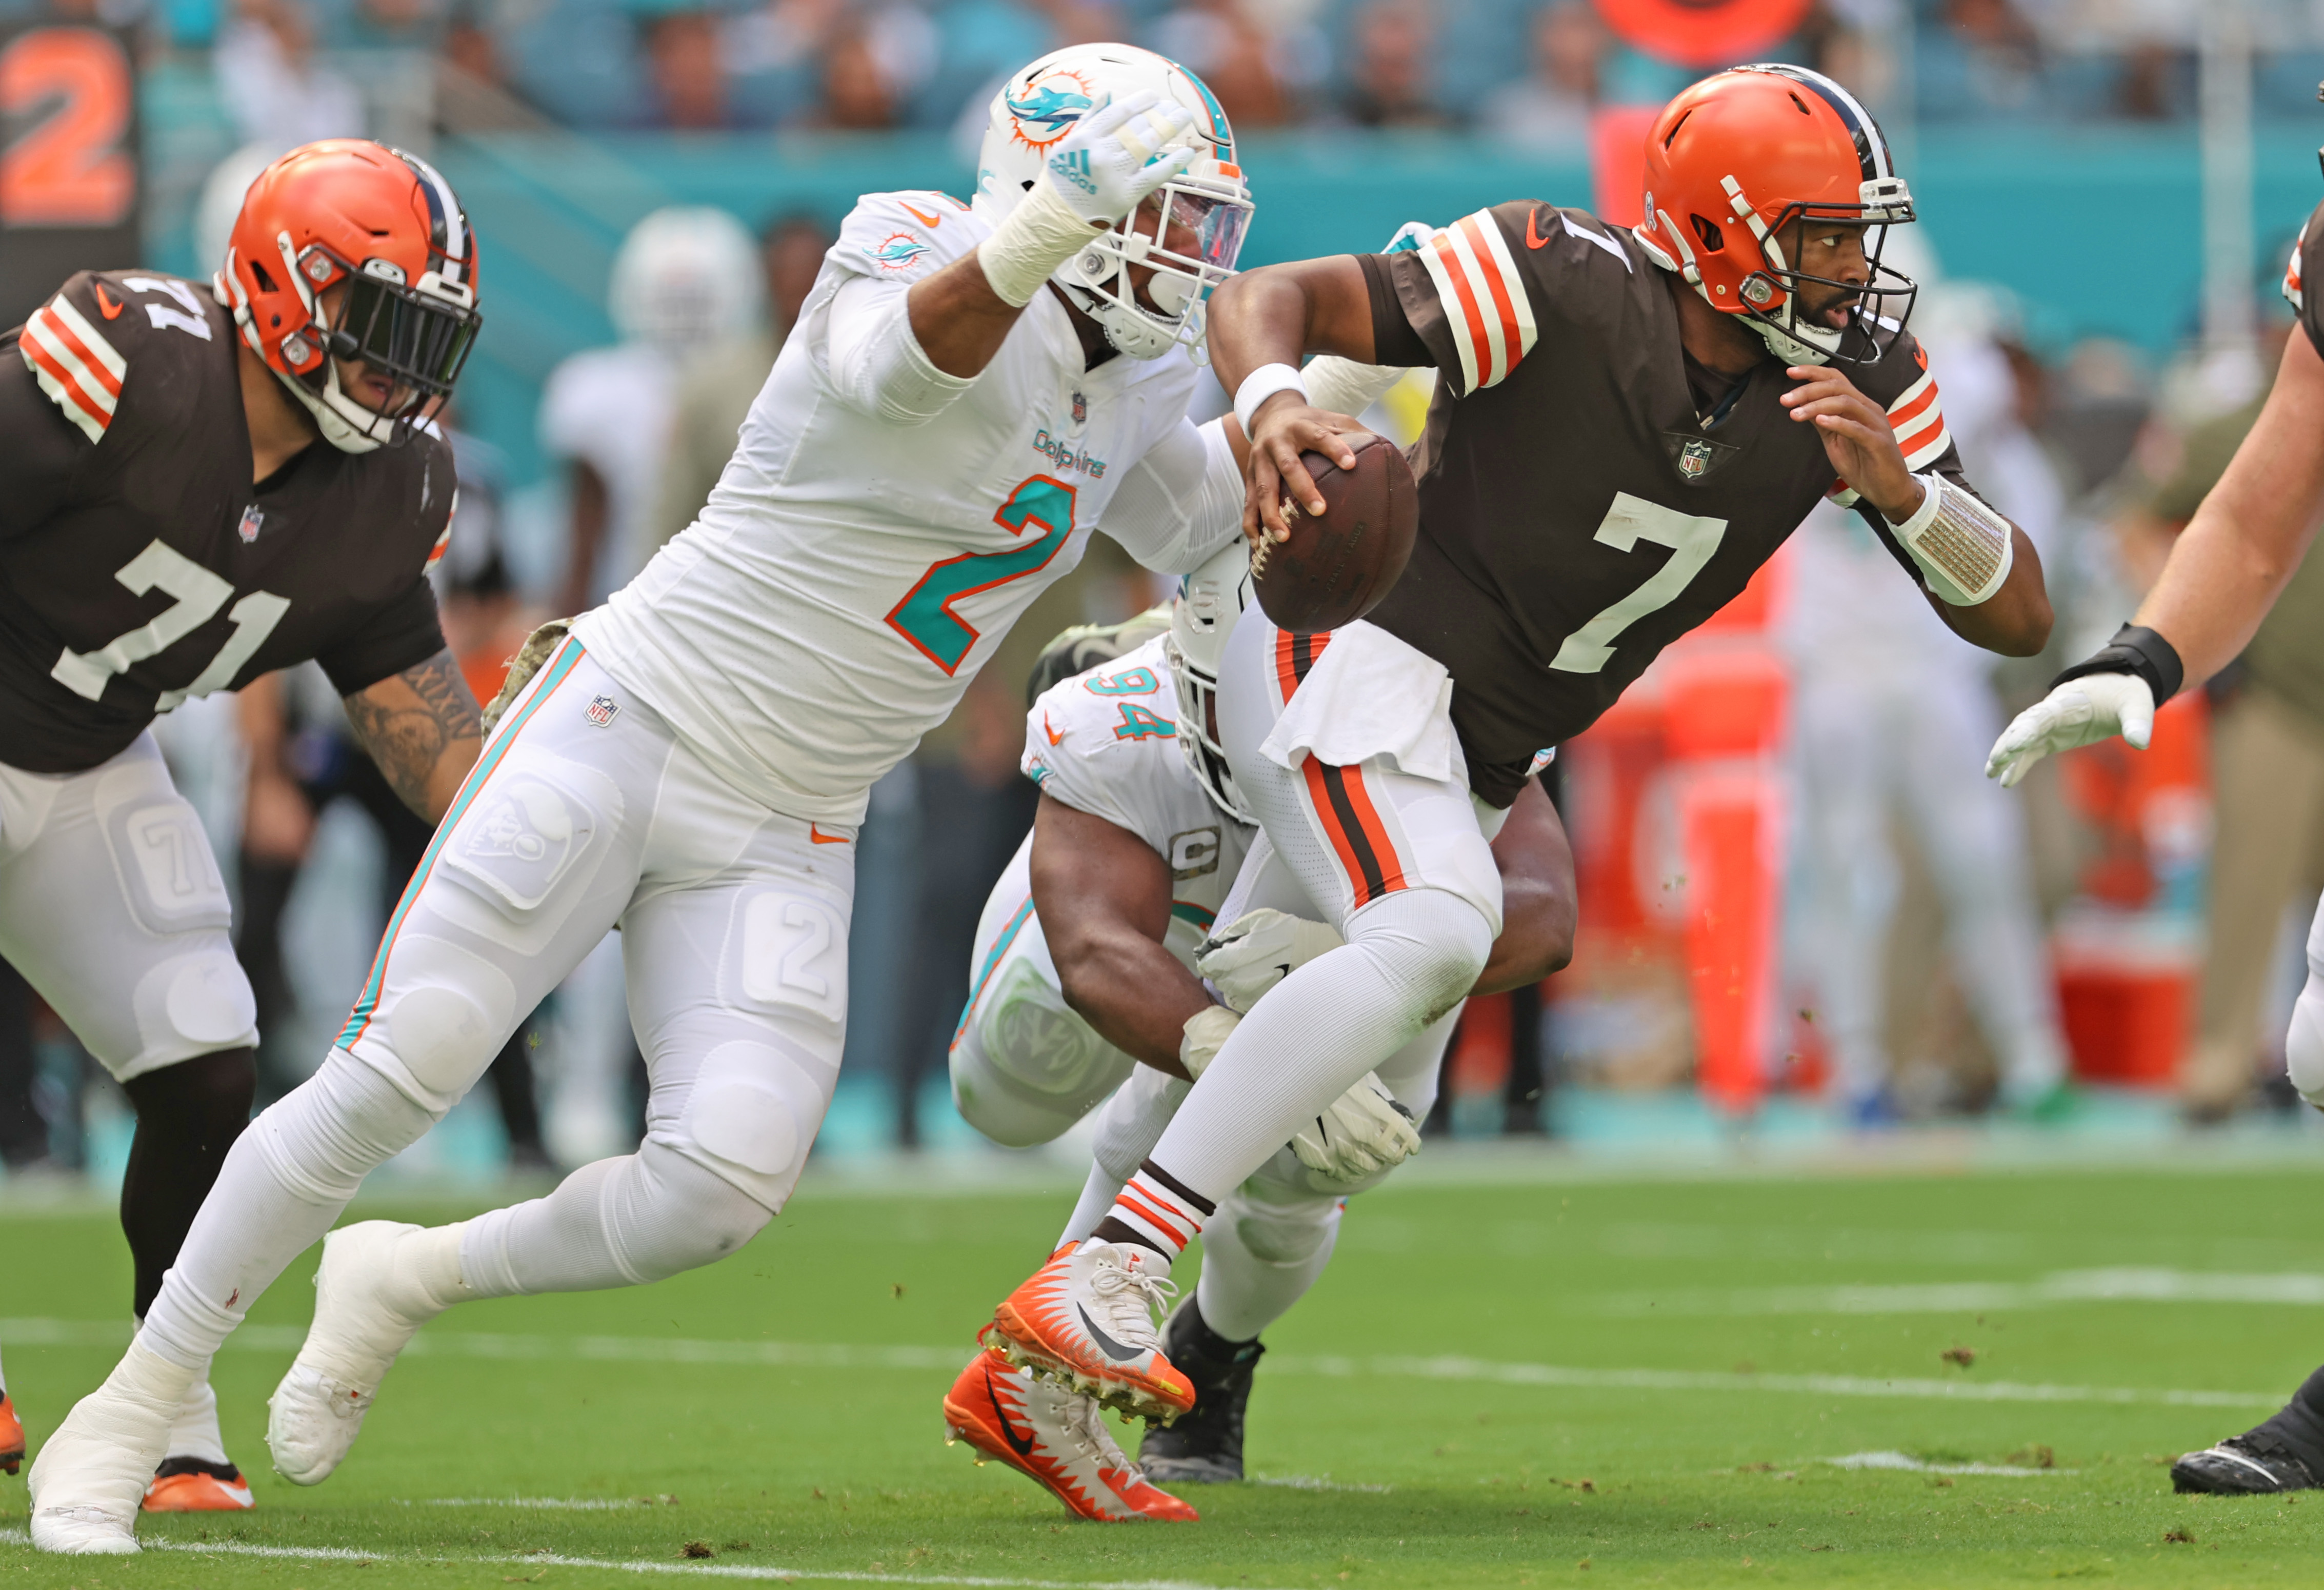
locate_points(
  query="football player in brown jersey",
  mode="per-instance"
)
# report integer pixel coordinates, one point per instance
(1629, 421)
(170, 527)
(2225, 572)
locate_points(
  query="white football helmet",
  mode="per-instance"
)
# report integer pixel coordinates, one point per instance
(687, 276)
(1039, 104)
(1210, 601)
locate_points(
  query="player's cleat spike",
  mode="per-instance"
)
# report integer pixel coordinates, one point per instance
(1086, 1320)
(2254, 1465)
(1054, 1437)
(12, 1437)
(369, 1301)
(91, 1475)
(193, 1484)
(1205, 1446)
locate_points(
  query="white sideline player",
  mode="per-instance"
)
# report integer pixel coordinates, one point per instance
(1142, 841)
(944, 426)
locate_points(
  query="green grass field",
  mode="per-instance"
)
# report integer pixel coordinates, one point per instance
(1585, 1382)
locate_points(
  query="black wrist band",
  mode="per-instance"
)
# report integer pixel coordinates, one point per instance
(2134, 649)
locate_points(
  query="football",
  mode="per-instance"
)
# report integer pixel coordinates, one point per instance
(1336, 566)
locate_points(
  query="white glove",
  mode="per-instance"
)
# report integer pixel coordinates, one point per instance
(1259, 949)
(1114, 157)
(1359, 1135)
(1206, 1033)
(2079, 712)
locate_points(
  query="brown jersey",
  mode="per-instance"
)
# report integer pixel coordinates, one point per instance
(1576, 513)
(2305, 266)
(138, 564)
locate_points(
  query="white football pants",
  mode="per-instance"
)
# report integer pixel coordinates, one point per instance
(584, 813)
(112, 907)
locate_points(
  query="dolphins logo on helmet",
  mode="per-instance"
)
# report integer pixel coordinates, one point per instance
(1050, 107)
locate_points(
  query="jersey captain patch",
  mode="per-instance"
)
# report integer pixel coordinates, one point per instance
(75, 365)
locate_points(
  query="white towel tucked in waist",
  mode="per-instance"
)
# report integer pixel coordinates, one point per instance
(1370, 695)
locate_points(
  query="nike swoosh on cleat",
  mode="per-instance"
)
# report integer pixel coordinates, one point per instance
(1112, 1348)
(1023, 1448)
(926, 219)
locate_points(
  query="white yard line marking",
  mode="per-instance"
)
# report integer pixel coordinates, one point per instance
(11, 1537)
(948, 1360)
(2061, 1288)
(543, 1503)
(1310, 1483)
(1911, 1465)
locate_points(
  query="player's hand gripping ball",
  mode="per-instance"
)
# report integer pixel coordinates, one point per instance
(1337, 565)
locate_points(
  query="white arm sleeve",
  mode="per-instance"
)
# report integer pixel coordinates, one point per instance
(1342, 386)
(1181, 502)
(875, 365)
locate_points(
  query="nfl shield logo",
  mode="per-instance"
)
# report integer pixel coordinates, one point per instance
(1693, 458)
(602, 710)
(1081, 410)
(252, 518)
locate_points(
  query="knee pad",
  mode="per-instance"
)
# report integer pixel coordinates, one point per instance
(1025, 1065)
(750, 1119)
(323, 1137)
(444, 1012)
(191, 1005)
(2303, 1045)
(1427, 943)
(667, 1214)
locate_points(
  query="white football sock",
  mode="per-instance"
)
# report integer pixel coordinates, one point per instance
(1409, 957)
(283, 1184)
(621, 1222)
(195, 1431)
(1261, 1252)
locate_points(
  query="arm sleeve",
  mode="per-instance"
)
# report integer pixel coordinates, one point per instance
(401, 634)
(43, 453)
(875, 363)
(1180, 503)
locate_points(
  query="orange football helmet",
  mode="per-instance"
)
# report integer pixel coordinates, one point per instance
(1734, 160)
(386, 224)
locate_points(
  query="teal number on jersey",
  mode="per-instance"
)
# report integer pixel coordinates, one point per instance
(1137, 681)
(1138, 724)
(925, 616)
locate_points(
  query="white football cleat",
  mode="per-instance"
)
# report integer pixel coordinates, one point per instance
(90, 1477)
(372, 1294)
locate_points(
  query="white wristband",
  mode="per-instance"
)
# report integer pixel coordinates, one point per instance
(1031, 242)
(1261, 385)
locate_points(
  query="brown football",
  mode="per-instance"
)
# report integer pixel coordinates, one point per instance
(1336, 568)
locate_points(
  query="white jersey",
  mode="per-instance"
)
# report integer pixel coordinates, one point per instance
(850, 574)
(610, 408)
(1105, 743)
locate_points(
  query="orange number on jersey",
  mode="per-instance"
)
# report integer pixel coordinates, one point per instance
(70, 170)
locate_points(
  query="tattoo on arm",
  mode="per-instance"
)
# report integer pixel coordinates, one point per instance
(423, 729)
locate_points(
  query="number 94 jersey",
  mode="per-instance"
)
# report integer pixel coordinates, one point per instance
(1105, 743)
(138, 564)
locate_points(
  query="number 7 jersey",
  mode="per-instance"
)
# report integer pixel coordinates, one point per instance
(140, 566)
(853, 570)
(1576, 515)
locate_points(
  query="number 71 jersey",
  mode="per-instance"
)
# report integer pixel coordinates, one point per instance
(1576, 513)
(854, 566)
(140, 566)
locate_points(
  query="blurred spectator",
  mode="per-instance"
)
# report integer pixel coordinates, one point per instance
(856, 94)
(1389, 75)
(276, 92)
(1986, 57)
(685, 279)
(2154, 83)
(716, 388)
(687, 64)
(24, 1132)
(1219, 41)
(1894, 716)
(1548, 112)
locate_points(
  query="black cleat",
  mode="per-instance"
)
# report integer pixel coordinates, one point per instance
(2255, 1465)
(1203, 1447)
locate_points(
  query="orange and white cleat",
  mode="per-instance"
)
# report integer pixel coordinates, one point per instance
(1056, 1438)
(1086, 1320)
(189, 1484)
(12, 1437)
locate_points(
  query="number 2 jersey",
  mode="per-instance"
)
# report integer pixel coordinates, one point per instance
(1576, 515)
(139, 565)
(854, 566)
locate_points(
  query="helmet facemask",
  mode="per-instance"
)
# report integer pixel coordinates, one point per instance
(1771, 294)
(1209, 204)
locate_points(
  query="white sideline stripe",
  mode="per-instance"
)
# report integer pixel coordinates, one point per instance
(948, 1360)
(1911, 1465)
(548, 1559)
(2125, 1285)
